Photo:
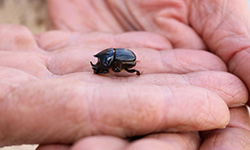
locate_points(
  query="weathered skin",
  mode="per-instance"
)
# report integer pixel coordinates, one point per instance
(49, 94)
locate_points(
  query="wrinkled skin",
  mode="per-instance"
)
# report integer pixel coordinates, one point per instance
(50, 96)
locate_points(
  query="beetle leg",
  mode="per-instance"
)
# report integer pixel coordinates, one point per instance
(133, 70)
(117, 69)
(117, 66)
(105, 71)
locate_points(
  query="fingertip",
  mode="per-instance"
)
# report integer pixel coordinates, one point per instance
(53, 147)
(208, 111)
(221, 114)
(234, 136)
(151, 144)
(100, 142)
(182, 140)
(239, 65)
(240, 118)
(229, 87)
(228, 139)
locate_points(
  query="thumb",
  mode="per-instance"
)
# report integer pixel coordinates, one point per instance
(225, 28)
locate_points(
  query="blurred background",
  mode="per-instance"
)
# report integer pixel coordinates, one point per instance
(30, 13)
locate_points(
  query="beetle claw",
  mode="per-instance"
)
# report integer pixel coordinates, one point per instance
(138, 73)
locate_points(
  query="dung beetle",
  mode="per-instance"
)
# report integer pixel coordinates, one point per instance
(116, 59)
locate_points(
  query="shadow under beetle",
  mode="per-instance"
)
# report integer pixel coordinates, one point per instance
(115, 58)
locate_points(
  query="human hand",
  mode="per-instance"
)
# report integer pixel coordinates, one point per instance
(51, 45)
(49, 93)
(220, 26)
(234, 136)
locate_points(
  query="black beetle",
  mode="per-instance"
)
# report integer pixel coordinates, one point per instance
(115, 58)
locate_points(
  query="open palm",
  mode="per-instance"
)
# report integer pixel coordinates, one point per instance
(49, 89)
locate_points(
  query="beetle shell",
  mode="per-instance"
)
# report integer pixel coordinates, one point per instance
(115, 58)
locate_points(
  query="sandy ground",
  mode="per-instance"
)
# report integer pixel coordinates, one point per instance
(33, 14)
(23, 147)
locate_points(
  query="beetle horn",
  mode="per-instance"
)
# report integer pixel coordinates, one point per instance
(92, 64)
(94, 67)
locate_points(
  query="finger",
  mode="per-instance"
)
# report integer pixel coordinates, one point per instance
(53, 147)
(58, 111)
(226, 35)
(16, 38)
(54, 40)
(70, 60)
(239, 65)
(14, 76)
(227, 86)
(235, 136)
(177, 141)
(100, 143)
(168, 18)
(99, 16)
(225, 30)
(239, 118)
(29, 63)
(11, 79)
